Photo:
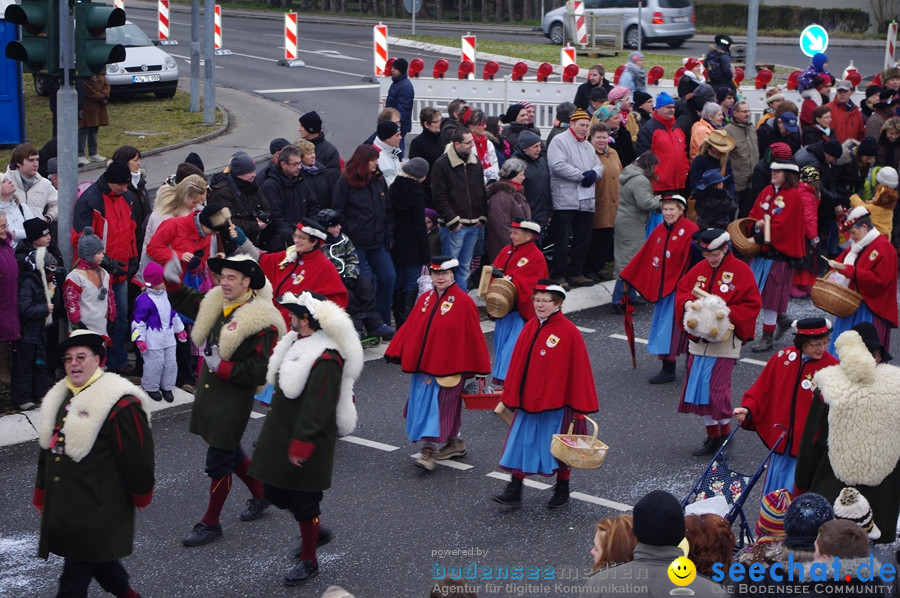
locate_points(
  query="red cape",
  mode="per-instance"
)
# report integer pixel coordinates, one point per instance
(786, 211)
(311, 272)
(662, 260)
(525, 264)
(734, 282)
(550, 369)
(875, 277)
(441, 337)
(778, 397)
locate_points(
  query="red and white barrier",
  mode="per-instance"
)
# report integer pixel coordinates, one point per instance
(567, 57)
(891, 46)
(381, 49)
(290, 36)
(581, 37)
(468, 52)
(119, 4)
(217, 38)
(163, 11)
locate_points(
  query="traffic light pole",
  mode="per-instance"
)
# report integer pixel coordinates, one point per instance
(195, 56)
(67, 130)
(209, 63)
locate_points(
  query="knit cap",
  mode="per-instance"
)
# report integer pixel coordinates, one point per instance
(705, 91)
(241, 163)
(663, 99)
(118, 173)
(401, 65)
(312, 122)
(194, 158)
(771, 515)
(853, 506)
(819, 60)
(276, 145)
(153, 274)
(833, 148)
(35, 228)
(781, 151)
(641, 97)
(617, 93)
(89, 245)
(527, 139)
(659, 519)
(804, 517)
(416, 168)
(512, 113)
(885, 176)
(868, 147)
(387, 129)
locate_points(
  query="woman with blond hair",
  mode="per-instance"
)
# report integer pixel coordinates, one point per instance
(614, 542)
(171, 202)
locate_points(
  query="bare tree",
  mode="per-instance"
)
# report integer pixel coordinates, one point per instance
(883, 12)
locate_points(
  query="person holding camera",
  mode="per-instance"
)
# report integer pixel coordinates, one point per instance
(290, 196)
(236, 190)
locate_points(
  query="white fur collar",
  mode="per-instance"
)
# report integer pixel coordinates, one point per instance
(255, 315)
(87, 414)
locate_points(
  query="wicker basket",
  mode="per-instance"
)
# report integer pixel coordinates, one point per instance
(741, 233)
(501, 297)
(835, 299)
(580, 457)
(481, 401)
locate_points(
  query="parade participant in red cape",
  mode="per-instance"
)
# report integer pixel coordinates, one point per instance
(550, 383)
(707, 389)
(780, 398)
(522, 263)
(93, 469)
(869, 267)
(774, 266)
(440, 344)
(654, 272)
(300, 267)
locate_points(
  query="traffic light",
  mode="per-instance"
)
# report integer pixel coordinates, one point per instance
(38, 49)
(92, 52)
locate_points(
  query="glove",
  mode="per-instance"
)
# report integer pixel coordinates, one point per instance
(141, 346)
(172, 271)
(239, 236)
(213, 360)
(195, 261)
(114, 267)
(182, 336)
(496, 272)
(588, 178)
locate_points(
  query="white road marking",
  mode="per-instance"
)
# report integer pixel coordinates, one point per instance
(622, 337)
(588, 330)
(448, 463)
(257, 414)
(369, 443)
(487, 326)
(530, 483)
(753, 361)
(601, 501)
(303, 89)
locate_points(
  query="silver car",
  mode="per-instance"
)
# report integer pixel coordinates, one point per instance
(146, 69)
(662, 21)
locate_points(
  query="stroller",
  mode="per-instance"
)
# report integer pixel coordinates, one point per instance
(720, 480)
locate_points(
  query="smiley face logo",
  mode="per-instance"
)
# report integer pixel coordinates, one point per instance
(682, 571)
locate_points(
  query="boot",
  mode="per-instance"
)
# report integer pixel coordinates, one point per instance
(560, 494)
(666, 374)
(764, 343)
(409, 302)
(397, 306)
(709, 447)
(782, 325)
(512, 495)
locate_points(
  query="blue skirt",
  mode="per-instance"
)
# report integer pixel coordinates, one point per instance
(761, 267)
(423, 417)
(863, 314)
(655, 219)
(660, 341)
(506, 333)
(696, 392)
(780, 474)
(527, 447)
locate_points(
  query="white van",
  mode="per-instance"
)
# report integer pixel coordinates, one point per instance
(662, 21)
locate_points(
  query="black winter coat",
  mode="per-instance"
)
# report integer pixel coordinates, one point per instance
(242, 198)
(328, 155)
(33, 310)
(536, 187)
(320, 183)
(715, 208)
(289, 201)
(401, 96)
(140, 209)
(769, 133)
(704, 162)
(410, 239)
(365, 213)
(428, 146)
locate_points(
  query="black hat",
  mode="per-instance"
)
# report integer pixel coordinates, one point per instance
(869, 335)
(186, 169)
(723, 41)
(873, 90)
(867, 147)
(312, 122)
(704, 91)
(401, 65)
(641, 97)
(676, 198)
(118, 173)
(328, 217)
(35, 228)
(440, 263)
(387, 129)
(212, 217)
(599, 94)
(244, 264)
(193, 158)
(312, 228)
(804, 517)
(833, 148)
(302, 305)
(512, 113)
(812, 327)
(711, 239)
(82, 338)
(658, 520)
(277, 144)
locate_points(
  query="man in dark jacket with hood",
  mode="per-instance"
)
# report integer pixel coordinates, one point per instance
(311, 129)
(401, 96)
(718, 62)
(236, 190)
(275, 147)
(536, 186)
(290, 198)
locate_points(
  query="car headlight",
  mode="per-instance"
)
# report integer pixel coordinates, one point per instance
(170, 63)
(113, 68)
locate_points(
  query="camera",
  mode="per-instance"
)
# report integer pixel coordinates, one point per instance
(262, 215)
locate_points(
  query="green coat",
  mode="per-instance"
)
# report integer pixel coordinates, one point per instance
(306, 427)
(88, 504)
(223, 399)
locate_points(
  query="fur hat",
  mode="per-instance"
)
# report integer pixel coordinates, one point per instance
(803, 518)
(416, 168)
(387, 129)
(663, 99)
(244, 264)
(711, 239)
(885, 176)
(771, 515)
(641, 98)
(241, 163)
(118, 173)
(35, 228)
(892, 72)
(52, 166)
(402, 65)
(153, 274)
(818, 61)
(658, 519)
(312, 122)
(867, 147)
(89, 245)
(212, 216)
(527, 139)
(853, 506)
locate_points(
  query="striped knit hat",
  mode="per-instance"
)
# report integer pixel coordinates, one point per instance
(853, 506)
(771, 515)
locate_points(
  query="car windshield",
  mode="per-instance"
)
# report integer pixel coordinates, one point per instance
(129, 35)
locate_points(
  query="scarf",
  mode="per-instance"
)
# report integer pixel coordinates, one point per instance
(27, 182)
(850, 259)
(575, 135)
(310, 169)
(230, 306)
(77, 389)
(825, 130)
(482, 149)
(516, 186)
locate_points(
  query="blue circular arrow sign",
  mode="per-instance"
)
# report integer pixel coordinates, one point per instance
(813, 40)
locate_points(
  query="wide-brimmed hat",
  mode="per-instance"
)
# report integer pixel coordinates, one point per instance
(711, 177)
(82, 338)
(244, 264)
(720, 140)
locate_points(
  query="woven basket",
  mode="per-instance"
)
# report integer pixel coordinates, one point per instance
(579, 457)
(741, 233)
(836, 299)
(481, 401)
(501, 297)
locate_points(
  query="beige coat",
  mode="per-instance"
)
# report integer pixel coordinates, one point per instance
(606, 190)
(96, 95)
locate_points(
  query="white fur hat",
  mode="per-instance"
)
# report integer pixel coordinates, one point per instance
(853, 506)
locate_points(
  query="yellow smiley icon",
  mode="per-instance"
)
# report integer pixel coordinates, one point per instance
(682, 571)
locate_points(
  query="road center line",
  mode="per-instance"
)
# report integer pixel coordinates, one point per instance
(369, 443)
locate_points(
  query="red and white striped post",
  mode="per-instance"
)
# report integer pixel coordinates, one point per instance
(380, 33)
(891, 46)
(217, 39)
(119, 4)
(581, 37)
(290, 36)
(163, 10)
(567, 56)
(468, 52)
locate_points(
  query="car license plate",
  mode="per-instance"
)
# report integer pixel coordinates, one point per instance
(680, 19)
(144, 78)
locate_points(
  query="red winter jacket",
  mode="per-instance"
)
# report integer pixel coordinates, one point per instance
(667, 141)
(846, 121)
(179, 235)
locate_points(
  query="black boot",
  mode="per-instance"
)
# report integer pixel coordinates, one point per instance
(782, 325)
(666, 374)
(709, 447)
(512, 495)
(409, 302)
(560, 494)
(399, 300)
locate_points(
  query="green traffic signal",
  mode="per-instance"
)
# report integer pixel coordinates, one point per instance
(38, 50)
(92, 53)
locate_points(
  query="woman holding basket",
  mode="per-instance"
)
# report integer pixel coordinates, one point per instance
(550, 384)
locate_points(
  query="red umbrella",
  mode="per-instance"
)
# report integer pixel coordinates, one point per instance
(627, 310)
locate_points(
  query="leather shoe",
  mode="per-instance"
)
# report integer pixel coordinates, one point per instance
(255, 508)
(325, 537)
(203, 534)
(301, 573)
(580, 281)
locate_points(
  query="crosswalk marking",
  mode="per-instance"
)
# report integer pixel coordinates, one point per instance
(601, 501)
(530, 483)
(369, 443)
